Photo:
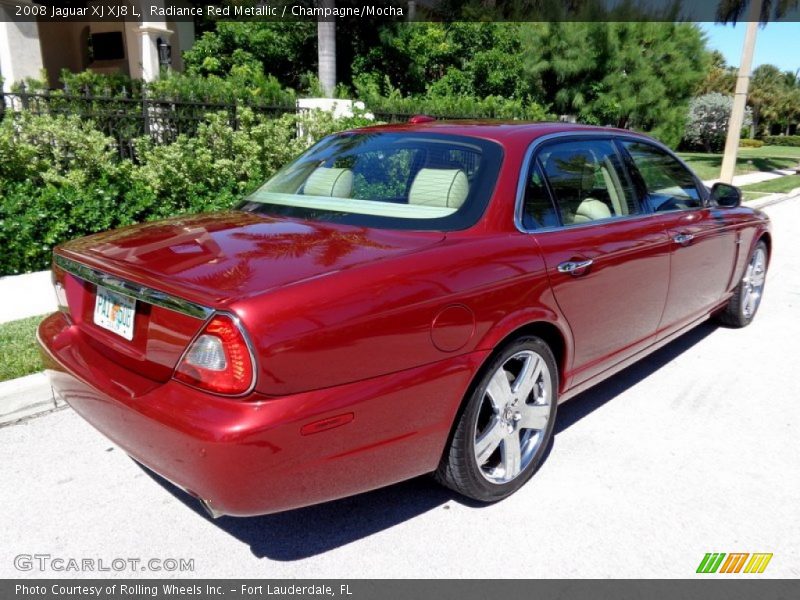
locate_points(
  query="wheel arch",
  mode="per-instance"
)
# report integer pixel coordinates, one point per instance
(551, 334)
(766, 237)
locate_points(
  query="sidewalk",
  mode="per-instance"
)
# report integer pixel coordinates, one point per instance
(757, 177)
(26, 295)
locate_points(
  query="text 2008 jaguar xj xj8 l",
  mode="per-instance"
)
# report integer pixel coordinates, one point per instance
(400, 300)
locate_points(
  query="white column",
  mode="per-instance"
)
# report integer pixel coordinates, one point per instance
(151, 67)
(20, 51)
(151, 31)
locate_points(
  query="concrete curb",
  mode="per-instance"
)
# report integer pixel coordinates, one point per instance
(773, 199)
(26, 397)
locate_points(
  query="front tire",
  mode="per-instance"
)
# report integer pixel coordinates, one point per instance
(506, 425)
(743, 305)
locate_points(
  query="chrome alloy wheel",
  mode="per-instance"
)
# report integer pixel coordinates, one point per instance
(753, 282)
(513, 417)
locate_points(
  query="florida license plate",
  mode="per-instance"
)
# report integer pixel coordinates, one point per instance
(114, 312)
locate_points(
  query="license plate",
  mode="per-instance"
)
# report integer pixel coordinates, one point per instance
(114, 312)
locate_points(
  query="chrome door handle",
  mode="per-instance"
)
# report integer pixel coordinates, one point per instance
(574, 267)
(683, 238)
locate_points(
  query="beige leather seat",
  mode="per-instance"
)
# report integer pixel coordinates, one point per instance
(329, 181)
(591, 210)
(439, 187)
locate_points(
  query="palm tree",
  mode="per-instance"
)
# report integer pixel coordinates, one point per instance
(326, 50)
(757, 11)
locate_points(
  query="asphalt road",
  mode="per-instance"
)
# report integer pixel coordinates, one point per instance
(694, 450)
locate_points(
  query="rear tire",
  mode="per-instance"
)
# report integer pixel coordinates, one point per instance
(506, 425)
(743, 305)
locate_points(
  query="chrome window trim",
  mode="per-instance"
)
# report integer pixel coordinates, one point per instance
(133, 290)
(603, 135)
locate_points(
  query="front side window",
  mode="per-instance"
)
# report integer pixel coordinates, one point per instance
(587, 181)
(668, 184)
(390, 180)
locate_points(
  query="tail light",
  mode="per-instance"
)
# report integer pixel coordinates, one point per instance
(57, 277)
(218, 360)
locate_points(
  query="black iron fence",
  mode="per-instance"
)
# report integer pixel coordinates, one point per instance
(125, 117)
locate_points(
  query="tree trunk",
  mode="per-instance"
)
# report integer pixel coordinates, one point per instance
(326, 50)
(754, 124)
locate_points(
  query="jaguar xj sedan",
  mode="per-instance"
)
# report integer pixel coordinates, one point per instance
(400, 300)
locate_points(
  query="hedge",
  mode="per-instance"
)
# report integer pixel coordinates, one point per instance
(782, 140)
(60, 178)
(749, 143)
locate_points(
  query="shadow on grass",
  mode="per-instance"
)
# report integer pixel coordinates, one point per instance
(310, 531)
(707, 165)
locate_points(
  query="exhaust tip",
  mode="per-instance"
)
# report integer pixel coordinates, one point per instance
(210, 510)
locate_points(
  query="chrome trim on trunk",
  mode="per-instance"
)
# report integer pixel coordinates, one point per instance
(133, 290)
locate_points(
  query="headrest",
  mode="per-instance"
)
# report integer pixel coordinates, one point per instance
(329, 181)
(439, 187)
(591, 210)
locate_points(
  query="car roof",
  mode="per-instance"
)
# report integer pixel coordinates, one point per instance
(500, 131)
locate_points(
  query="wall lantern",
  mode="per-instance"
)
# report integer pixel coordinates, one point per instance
(164, 53)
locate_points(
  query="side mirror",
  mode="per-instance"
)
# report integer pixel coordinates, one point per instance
(725, 195)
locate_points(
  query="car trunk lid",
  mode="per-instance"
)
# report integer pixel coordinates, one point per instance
(182, 269)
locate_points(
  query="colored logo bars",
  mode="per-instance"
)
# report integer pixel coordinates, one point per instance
(716, 562)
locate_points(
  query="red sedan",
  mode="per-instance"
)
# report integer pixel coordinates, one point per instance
(399, 300)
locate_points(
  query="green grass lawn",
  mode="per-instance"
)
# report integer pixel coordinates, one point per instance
(18, 352)
(766, 158)
(773, 186)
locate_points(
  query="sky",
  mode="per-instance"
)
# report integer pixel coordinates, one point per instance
(777, 44)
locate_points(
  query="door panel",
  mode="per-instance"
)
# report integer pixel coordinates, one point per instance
(613, 307)
(703, 247)
(607, 262)
(703, 255)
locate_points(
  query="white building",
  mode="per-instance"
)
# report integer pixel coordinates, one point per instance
(131, 46)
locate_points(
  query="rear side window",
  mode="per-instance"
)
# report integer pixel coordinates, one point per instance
(587, 182)
(668, 184)
(538, 209)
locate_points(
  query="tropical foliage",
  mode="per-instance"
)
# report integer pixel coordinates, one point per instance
(639, 75)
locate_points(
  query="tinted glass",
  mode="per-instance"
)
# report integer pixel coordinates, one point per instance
(587, 181)
(669, 185)
(390, 180)
(538, 210)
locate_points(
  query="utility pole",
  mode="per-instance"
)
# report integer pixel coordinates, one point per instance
(740, 97)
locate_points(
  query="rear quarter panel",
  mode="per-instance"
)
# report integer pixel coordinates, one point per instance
(379, 318)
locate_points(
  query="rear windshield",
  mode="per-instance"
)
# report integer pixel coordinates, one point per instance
(388, 180)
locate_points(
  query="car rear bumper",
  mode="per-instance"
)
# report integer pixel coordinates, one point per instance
(247, 456)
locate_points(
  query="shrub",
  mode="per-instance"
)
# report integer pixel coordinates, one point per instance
(782, 140)
(707, 123)
(490, 107)
(749, 143)
(245, 83)
(44, 149)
